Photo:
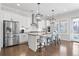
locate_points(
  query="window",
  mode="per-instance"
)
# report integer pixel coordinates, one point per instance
(76, 25)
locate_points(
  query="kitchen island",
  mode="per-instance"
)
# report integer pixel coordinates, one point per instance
(33, 37)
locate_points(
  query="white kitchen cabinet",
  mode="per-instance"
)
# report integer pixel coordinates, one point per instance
(1, 36)
(23, 38)
(0, 45)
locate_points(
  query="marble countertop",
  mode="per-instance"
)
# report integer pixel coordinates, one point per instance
(40, 34)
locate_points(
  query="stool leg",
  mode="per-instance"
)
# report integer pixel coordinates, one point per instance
(44, 44)
(55, 41)
(59, 40)
(40, 47)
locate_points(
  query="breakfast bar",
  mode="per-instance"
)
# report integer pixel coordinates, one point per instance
(33, 40)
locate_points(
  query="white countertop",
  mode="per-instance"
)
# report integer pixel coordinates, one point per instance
(40, 34)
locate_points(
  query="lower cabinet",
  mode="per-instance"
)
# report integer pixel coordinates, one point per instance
(23, 38)
(0, 44)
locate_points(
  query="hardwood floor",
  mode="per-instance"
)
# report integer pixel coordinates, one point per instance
(66, 48)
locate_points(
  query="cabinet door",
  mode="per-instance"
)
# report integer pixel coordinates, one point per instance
(24, 37)
(1, 35)
(9, 41)
(20, 40)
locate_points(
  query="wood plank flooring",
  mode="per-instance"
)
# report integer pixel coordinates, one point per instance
(66, 48)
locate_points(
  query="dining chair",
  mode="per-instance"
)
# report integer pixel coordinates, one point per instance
(53, 38)
(58, 39)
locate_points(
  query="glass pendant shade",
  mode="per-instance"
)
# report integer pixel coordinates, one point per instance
(38, 17)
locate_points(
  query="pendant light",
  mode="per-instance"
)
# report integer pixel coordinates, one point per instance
(38, 15)
(52, 19)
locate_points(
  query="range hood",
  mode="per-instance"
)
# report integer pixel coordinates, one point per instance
(33, 21)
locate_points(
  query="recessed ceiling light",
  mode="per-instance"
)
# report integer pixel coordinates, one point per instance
(18, 4)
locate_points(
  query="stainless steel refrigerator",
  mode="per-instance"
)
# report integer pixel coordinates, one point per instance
(10, 33)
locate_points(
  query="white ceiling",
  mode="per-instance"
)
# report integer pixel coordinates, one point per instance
(45, 8)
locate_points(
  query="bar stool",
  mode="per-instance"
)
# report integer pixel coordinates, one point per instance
(58, 39)
(53, 38)
(49, 40)
(40, 44)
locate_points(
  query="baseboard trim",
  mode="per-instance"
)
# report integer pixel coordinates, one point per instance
(70, 41)
(23, 43)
